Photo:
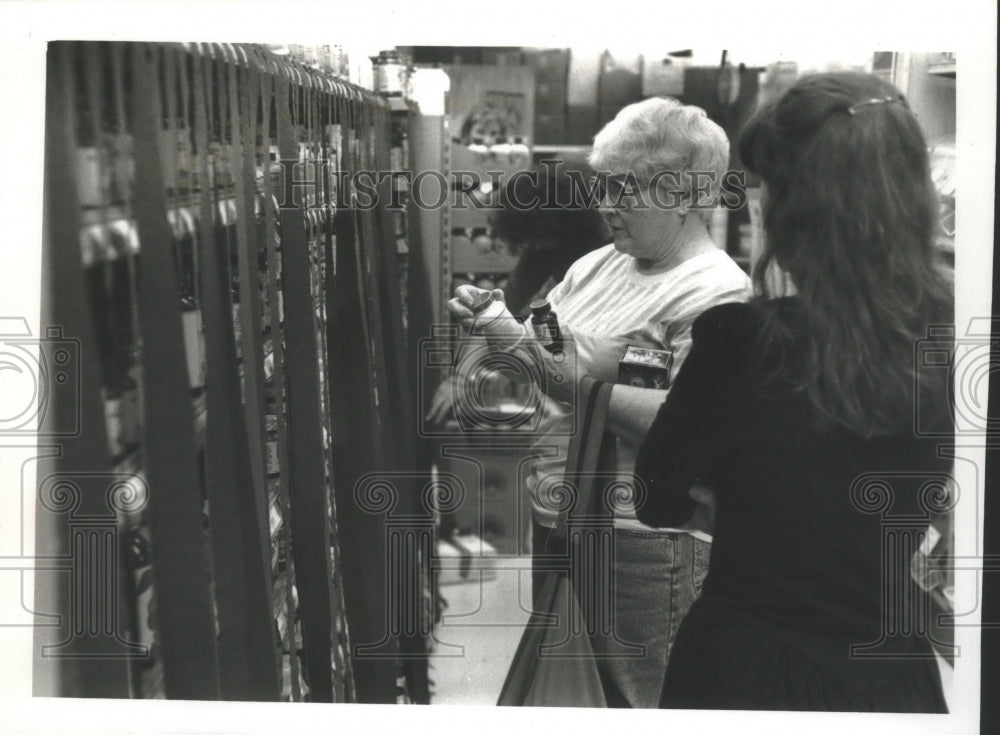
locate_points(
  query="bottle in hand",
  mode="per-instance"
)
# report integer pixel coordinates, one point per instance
(545, 325)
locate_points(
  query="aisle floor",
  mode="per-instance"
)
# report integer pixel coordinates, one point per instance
(480, 631)
(485, 619)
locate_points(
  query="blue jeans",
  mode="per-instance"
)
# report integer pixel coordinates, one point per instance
(656, 578)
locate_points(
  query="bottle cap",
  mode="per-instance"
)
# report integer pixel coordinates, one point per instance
(540, 308)
(482, 301)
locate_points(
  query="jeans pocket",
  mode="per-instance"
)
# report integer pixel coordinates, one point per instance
(700, 557)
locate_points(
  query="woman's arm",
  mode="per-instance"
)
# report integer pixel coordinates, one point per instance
(632, 410)
(683, 442)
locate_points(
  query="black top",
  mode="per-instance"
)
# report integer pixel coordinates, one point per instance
(814, 532)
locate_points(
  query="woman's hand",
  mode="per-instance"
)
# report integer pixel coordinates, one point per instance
(704, 513)
(443, 403)
(465, 296)
(560, 370)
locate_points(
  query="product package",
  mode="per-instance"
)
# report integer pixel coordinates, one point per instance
(644, 367)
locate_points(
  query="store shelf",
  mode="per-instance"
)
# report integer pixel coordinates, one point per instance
(399, 104)
(471, 260)
(944, 69)
(580, 150)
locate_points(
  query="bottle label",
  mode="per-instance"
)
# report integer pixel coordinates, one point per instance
(543, 333)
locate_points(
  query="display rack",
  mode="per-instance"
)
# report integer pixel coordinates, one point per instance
(206, 249)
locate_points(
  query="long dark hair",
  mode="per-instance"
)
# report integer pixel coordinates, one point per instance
(851, 214)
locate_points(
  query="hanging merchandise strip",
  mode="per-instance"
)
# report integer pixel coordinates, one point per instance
(278, 377)
(341, 669)
(415, 633)
(366, 250)
(247, 663)
(186, 620)
(242, 99)
(342, 646)
(312, 214)
(70, 660)
(132, 523)
(397, 417)
(338, 403)
(309, 527)
(343, 682)
(362, 534)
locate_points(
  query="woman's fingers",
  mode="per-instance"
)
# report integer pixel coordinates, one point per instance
(703, 495)
(442, 402)
(461, 312)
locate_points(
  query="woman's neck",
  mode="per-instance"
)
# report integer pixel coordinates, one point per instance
(690, 241)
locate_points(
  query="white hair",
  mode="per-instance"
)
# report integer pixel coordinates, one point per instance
(660, 134)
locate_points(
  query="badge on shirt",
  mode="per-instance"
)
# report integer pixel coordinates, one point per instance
(644, 367)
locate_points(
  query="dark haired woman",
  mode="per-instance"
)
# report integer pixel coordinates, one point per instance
(547, 239)
(799, 413)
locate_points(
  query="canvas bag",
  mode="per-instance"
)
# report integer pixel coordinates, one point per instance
(554, 665)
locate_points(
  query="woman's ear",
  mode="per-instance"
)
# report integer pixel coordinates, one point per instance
(683, 205)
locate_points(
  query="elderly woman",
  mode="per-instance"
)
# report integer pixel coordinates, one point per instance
(799, 412)
(643, 290)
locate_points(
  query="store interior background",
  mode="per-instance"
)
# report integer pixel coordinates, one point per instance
(506, 108)
(571, 93)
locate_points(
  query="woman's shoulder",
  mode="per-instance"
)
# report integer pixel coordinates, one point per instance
(599, 261)
(733, 326)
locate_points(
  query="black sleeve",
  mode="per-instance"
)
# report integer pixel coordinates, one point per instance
(681, 446)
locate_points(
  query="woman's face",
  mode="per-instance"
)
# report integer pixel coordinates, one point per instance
(643, 226)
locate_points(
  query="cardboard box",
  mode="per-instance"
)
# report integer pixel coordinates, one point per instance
(550, 65)
(621, 80)
(550, 98)
(581, 125)
(645, 367)
(551, 129)
(465, 559)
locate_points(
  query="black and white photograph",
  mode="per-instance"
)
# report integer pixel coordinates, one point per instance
(357, 357)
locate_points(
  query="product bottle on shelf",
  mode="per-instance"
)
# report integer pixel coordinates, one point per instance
(194, 340)
(114, 420)
(100, 285)
(481, 240)
(131, 400)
